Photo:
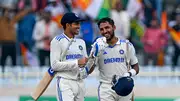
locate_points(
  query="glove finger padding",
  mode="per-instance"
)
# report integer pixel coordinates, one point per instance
(83, 73)
(99, 46)
(123, 86)
(101, 39)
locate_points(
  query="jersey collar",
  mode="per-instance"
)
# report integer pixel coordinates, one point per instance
(117, 43)
(66, 37)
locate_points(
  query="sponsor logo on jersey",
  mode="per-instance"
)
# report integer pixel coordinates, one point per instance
(113, 60)
(73, 56)
(121, 51)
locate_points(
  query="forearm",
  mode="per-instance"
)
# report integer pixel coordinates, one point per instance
(64, 66)
(135, 70)
(20, 15)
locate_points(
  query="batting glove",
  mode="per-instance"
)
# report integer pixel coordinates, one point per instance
(83, 73)
(98, 46)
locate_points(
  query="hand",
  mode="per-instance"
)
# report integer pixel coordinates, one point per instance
(98, 46)
(83, 73)
(82, 62)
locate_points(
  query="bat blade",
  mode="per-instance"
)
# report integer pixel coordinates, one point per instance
(43, 84)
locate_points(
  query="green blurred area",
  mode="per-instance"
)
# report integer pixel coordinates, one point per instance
(53, 98)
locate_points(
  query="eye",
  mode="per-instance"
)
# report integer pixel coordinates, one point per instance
(107, 27)
(101, 29)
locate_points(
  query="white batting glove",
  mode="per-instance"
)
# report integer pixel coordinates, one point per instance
(98, 46)
(83, 73)
(101, 39)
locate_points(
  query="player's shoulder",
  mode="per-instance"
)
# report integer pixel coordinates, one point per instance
(125, 41)
(59, 38)
(80, 40)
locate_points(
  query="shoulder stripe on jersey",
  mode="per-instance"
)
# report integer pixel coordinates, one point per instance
(59, 37)
(123, 41)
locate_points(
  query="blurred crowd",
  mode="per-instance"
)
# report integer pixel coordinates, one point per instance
(27, 27)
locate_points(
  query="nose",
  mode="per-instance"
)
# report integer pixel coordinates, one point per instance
(104, 31)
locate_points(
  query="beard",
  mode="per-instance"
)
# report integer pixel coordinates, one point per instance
(109, 37)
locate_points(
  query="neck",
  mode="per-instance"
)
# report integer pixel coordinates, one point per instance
(112, 41)
(68, 34)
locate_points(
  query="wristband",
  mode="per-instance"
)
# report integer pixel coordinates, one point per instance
(132, 72)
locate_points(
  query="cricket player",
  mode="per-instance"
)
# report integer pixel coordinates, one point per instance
(69, 86)
(112, 60)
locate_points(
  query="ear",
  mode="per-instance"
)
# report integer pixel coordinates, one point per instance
(67, 25)
(114, 27)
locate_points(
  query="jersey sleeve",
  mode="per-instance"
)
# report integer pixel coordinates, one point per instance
(55, 57)
(132, 54)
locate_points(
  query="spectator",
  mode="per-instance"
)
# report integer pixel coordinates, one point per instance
(24, 34)
(122, 20)
(44, 31)
(57, 10)
(175, 34)
(8, 34)
(154, 40)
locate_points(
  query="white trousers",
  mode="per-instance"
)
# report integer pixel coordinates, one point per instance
(105, 93)
(70, 90)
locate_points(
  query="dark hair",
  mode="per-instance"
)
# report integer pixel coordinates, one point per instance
(106, 19)
(64, 26)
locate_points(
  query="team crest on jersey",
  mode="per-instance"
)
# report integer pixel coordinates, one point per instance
(121, 51)
(80, 47)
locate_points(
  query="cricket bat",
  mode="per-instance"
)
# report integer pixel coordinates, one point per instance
(47, 78)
